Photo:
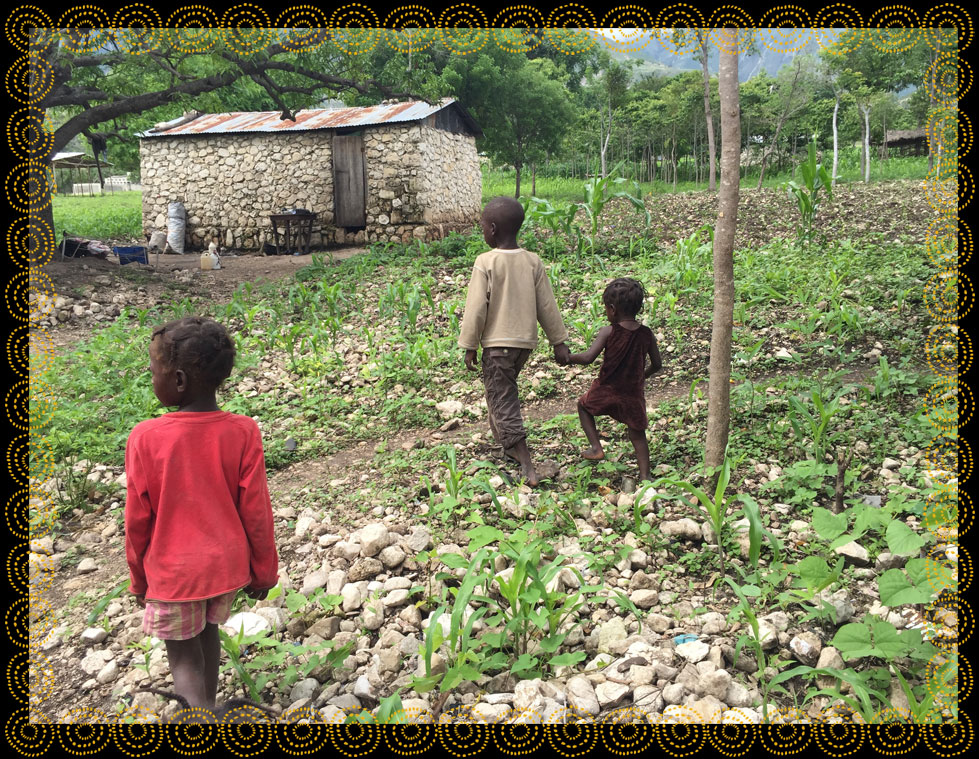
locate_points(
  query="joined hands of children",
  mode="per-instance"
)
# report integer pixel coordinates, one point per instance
(562, 354)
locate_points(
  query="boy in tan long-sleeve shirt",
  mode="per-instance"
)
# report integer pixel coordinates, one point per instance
(509, 293)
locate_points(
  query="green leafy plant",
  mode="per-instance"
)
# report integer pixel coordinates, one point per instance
(599, 191)
(814, 423)
(715, 509)
(815, 180)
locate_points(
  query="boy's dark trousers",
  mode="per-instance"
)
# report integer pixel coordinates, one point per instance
(500, 369)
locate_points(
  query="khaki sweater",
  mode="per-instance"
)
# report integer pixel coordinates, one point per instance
(509, 293)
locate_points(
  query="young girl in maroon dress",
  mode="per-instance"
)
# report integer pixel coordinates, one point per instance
(618, 391)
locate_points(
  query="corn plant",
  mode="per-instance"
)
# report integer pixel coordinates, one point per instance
(692, 260)
(715, 510)
(813, 423)
(753, 641)
(600, 190)
(815, 179)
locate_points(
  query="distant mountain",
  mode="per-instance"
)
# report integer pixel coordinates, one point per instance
(657, 58)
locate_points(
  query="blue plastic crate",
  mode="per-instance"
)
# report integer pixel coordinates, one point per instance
(128, 255)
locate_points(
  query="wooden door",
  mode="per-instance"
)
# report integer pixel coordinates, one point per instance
(349, 181)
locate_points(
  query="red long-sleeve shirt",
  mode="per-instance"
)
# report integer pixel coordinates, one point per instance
(198, 513)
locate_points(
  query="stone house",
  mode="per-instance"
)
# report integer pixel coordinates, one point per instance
(393, 172)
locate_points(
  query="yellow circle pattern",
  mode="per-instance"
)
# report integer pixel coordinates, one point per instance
(569, 28)
(894, 28)
(78, 27)
(138, 27)
(462, 739)
(29, 186)
(302, 739)
(463, 28)
(948, 350)
(29, 733)
(409, 739)
(628, 27)
(29, 79)
(139, 739)
(676, 25)
(355, 28)
(87, 735)
(306, 25)
(20, 24)
(952, 17)
(785, 28)
(513, 28)
(950, 738)
(27, 134)
(410, 28)
(246, 28)
(731, 16)
(191, 28)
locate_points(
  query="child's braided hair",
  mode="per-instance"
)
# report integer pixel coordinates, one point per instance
(626, 295)
(200, 347)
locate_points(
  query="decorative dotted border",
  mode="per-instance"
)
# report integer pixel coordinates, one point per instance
(463, 26)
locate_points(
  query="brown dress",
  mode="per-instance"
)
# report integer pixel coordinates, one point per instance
(618, 390)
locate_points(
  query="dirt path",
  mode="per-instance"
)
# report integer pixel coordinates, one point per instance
(172, 278)
(357, 459)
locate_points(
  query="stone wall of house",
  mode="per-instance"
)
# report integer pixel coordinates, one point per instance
(230, 184)
(422, 183)
(451, 193)
(393, 164)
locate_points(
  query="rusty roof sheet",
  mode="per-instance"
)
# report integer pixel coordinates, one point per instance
(319, 118)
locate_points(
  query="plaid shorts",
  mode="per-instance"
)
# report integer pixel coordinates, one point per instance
(184, 620)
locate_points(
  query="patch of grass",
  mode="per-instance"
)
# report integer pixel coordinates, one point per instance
(114, 216)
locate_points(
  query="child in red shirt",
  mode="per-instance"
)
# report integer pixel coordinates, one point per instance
(618, 391)
(198, 513)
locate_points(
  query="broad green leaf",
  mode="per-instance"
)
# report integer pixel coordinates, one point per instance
(454, 560)
(902, 540)
(483, 536)
(566, 660)
(552, 643)
(896, 590)
(887, 641)
(827, 524)
(928, 573)
(853, 641)
(814, 572)
(523, 663)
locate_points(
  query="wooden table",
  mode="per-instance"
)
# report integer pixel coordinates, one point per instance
(297, 230)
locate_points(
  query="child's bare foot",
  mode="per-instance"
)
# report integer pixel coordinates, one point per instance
(593, 454)
(520, 453)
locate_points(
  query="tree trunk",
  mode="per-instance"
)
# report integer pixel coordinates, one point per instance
(673, 156)
(836, 141)
(533, 179)
(866, 142)
(931, 134)
(712, 183)
(516, 192)
(722, 325)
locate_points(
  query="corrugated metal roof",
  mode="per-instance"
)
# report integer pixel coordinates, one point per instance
(320, 118)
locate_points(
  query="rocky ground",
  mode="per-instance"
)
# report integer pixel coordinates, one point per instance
(676, 660)
(375, 571)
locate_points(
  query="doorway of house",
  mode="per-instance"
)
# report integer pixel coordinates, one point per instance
(349, 181)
